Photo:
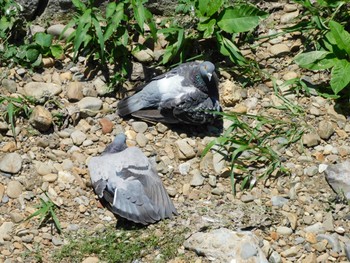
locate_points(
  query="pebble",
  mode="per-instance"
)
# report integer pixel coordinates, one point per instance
(41, 118)
(78, 137)
(315, 228)
(311, 139)
(283, 230)
(311, 171)
(290, 252)
(279, 49)
(75, 91)
(310, 258)
(184, 168)
(106, 125)
(275, 257)
(139, 126)
(50, 178)
(144, 55)
(5, 230)
(39, 90)
(91, 260)
(197, 178)
(325, 129)
(11, 163)
(230, 93)
(16, 217)
(101, 87)
(161, 127)
(9, 85)
(184, 149)
(278, 201)
(141, 140)
(90, 105)
(2, 191)
(14, 189)
(288, 17)
(56, 30)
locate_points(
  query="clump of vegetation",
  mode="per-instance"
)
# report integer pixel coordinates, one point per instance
(108, 37)
(252, 145)
(327, 44)
(114, 245)
(13, 107)
(46, 212)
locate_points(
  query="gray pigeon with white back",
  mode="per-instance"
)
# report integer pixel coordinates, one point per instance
(185, 94)
(127, 182)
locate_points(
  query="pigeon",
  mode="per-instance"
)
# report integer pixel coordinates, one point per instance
(127, 183)
(185, 94)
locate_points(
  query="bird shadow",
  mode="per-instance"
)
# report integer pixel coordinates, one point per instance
(125, 224)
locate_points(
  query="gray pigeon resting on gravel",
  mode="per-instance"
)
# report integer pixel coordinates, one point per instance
(185, 94)
(126, 181)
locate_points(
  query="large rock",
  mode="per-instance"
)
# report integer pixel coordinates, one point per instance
(338, 177)
(224, 245)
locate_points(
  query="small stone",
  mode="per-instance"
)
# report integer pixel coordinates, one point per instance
(325, 129)
(185, 150)
(288, 17)
(66, 76)
(50, 178)
(328, 224)
(290, 8)
(311, 238)
(106, 125)
(161, 127)
(184, 168)
(292, 218)
(315, 228)
(290, 252)
(141, 140)
(144, 55)
(56, 30)
(311, 139)
(9, 85)
(231, 93)
(139, 126)
(322, 167)
(11, 163)
(14, 189)
(41, 118)
(279, 49)
(323, 258)
(91, 260)
(311, 171)
(90, 105)
(278, 201)
(212, 180)
(16, 217)
(2, 191)
(5, 230)
(171, 191)
(48, 62)
(75, 91)
(137, 72)
(275, 257)
(39, 90)
(247, 198)
(101, 87)
(311, 258)
(186, 189)
(290, 75)
(78, 137)
(197, 178)
(283, 230)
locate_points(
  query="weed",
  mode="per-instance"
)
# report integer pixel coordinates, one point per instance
(46, 212)
(14, 107)
(253, 150)
(120, 245)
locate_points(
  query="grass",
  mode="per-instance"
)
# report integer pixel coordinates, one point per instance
(115, 245)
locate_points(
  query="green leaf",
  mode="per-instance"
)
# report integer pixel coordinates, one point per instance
(43, 39)
(240, 18)
(315, 60)
(79, 5)
(32, 54)
(340, 77)
(56, 51)
(227, 48)
(81, 32)
(341, 36)
(208, 28)
(209, 7)
(101, 42)
(11, 116)
(139, 12)
(37, 62)
(110, 9)
(114, 23)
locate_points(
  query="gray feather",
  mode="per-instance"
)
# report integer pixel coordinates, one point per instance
(127, 181)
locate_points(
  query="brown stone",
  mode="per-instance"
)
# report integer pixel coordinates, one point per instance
(107, 125)
(41, 118)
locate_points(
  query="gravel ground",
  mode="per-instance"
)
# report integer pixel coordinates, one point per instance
(294, 218)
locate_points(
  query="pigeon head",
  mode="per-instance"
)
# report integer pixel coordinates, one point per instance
(118, 144)
(206, 69)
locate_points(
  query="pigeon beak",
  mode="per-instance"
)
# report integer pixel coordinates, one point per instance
(209, 76)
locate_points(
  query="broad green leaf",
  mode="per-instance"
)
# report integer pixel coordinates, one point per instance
(209, 7)
(81, 32)
(32, 54)
(240, 18)
(37, 62)
(227, 48)
(139, 12)
(79, 5)
(341, 36)
(208, 28)
(312, 60)
(110, 9)
(56, 51)
(114, 23)
(340, 77)
(43, 39)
